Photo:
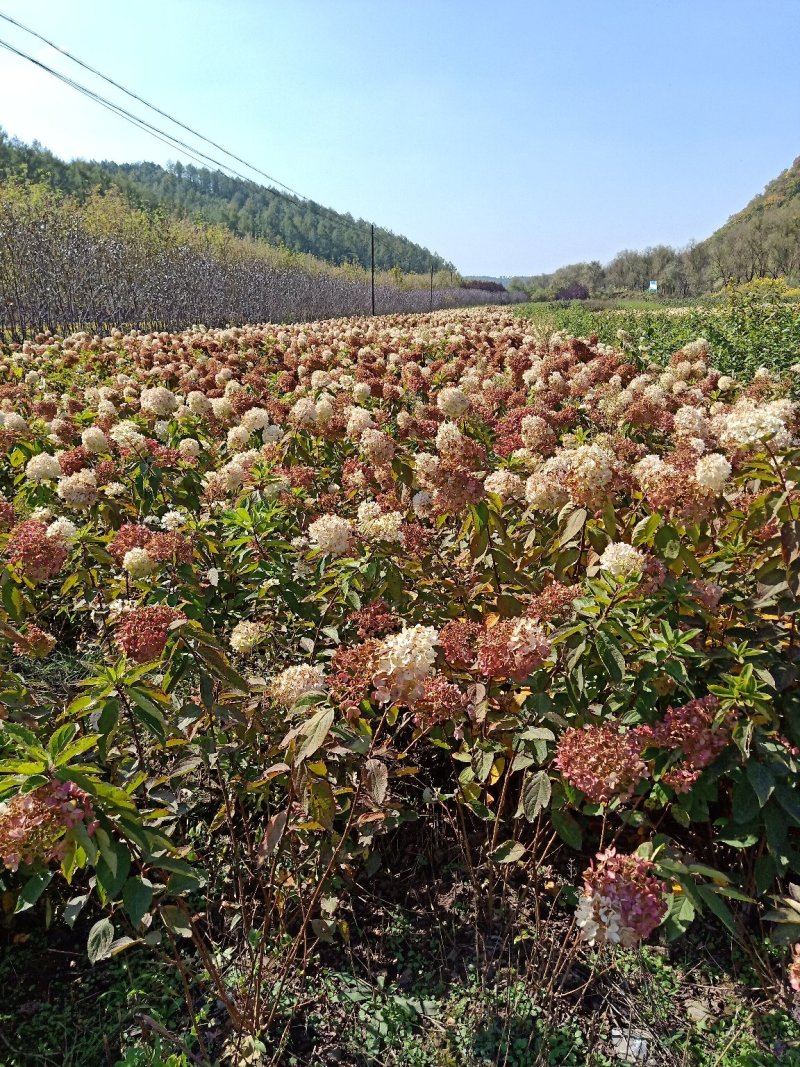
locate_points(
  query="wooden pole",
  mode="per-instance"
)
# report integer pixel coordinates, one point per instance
(431, 285)
(372, 245)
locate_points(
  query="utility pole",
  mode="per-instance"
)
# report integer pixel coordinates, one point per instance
(431, 285)
(372, 245)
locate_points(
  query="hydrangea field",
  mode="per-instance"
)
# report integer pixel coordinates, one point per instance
(279, 603)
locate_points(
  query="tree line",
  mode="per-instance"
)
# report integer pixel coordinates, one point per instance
(762, 241)
(98, 264)
(211, 197)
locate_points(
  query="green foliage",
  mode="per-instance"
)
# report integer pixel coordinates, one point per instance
(213, 198)
(753, 326)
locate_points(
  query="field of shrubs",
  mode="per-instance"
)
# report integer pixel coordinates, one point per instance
(309, 629)
(747, 326)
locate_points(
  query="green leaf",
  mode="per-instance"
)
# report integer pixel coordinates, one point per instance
(567, 829)
(75, 748)
(789, 801)
(73, 908)
(60, 739)
(610, 656)
(316, 730)
(113, 866)
(137, 896)
(761, 780)
(680, 914)
(101, 938)
(536, 794)
(176, 920)
(719, 908)
(221, 668)
(32, 890)
(572, 527)
(148, 713)
(508, 852)
(668, 542)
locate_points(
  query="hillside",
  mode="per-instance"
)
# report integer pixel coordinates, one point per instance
(761, 240)
(777, 196)
(245, 208)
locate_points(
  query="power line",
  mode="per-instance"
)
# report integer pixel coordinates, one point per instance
(153, 107)
(180, 146)
(136, 120)
(362, 228)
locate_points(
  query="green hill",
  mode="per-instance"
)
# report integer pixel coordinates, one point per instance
(770, 204)
(246, 208)
(760, 241)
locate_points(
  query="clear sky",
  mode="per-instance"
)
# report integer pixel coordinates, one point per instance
(511, 137)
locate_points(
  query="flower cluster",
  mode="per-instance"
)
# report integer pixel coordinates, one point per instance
(602, 761)
(142, 635)
(693, 730)
(513, 648)
(404, 661)
(33, 826)
(622, 902)
(296, 682)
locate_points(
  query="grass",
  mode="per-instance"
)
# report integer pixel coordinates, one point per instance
(416, 987)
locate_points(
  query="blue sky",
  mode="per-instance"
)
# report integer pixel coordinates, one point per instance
(511, 138)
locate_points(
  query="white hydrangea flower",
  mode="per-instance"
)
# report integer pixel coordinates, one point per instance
(271, 434)
(377, 447)
(222, 408)
(138, 563)
(42, 468)
(505, 484)
(158, 401)
(198, 403)
(126, 434)
(94, 440)
(64, 530)
(376, 525)
(453, 402)
(406, 659)
(78, 490)
(246, 636)
(622, 560)
(422, 504)
(13, 422)
(189, 447)
(690, 422)
(712, 472)
(173, 520)
(324, 411)
(255, 419)
(361, 392)
(650, 469)
(359, 419)
(238, 438)
(304, 412)
(449, 439)
(331, 534)
(295, 682)
(748, 425)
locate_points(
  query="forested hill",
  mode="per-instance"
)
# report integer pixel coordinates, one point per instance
(211, 196)
(776, 209)
(761, 240)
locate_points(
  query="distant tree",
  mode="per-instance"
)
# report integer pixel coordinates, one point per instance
(573, 291)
